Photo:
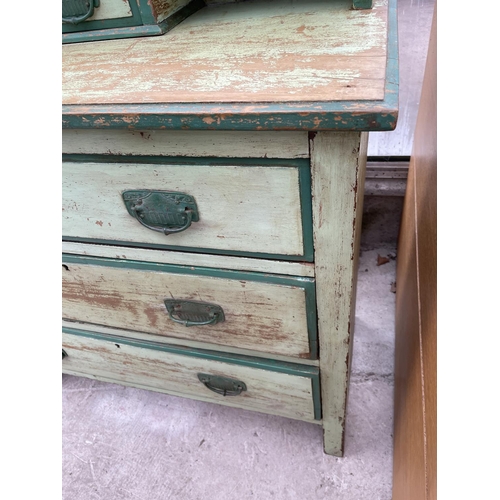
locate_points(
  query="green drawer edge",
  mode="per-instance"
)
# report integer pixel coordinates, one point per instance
(311, 372)
(304, 186)
(308, 284)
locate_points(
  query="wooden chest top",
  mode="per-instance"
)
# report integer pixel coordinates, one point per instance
(257, 65)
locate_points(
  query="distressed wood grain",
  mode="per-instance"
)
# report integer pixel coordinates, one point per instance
(265, 317)
(163, 8)
(195, 344)
(338, 162)
(267, 391)
(304, 269)
(253, 209)
(255, 52)
(226, 144)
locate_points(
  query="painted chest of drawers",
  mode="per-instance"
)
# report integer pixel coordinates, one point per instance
(212, 200)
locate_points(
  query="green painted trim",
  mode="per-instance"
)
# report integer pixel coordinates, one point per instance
(339, 116)
(302, 164)
(104, 24)
(112, 34)
(306, 212)
(362, 4)
(277, 279)
(313, 116)
(307, 284)
(146, 11)
(299, 370)
(211, 251)
(392, 71)
(237, 359)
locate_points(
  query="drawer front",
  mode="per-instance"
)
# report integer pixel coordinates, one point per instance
(258, 209)
(259, 312)
(277, 388)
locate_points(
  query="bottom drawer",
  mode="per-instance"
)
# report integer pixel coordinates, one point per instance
(285, 389)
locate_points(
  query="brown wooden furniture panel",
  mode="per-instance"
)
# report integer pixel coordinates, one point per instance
(415, 427)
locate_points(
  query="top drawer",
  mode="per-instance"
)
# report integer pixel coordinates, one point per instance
(243, 207)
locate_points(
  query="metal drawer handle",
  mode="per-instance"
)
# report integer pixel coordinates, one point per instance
(194, 313)
(77, 11)
(167, 212)
(222, 385)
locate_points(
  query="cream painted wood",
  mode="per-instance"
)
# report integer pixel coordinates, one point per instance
(259, 316)
(338, 162)
(249, 209)
(226, 144)
(111, 9)
(277, 50)
(276, 267)
(185, 343)
(267, 391)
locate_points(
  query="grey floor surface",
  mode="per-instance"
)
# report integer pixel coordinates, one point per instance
(126, 443)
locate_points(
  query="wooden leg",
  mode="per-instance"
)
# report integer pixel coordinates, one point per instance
(338, 164)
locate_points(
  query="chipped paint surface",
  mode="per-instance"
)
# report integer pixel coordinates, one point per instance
(332, 114)
(256, 51)
(164, 8)
(260, 316)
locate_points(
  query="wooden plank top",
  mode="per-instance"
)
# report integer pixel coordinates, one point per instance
(234, 59)
(255, 51)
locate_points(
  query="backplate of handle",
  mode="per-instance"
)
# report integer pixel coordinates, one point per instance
(222, 385)
(77, 11)
(193, 312)
(167, 212)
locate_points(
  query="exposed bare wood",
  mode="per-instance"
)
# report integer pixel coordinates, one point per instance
(264, 317)
(277, 51)
(267, 391)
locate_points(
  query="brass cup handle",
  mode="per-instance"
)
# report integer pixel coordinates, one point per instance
(75, 19)
(222, 385)
(165, 230)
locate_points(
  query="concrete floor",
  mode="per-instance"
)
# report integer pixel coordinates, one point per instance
(125, 443)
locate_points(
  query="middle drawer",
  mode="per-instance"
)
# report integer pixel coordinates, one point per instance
(258, 207)
(267, 313)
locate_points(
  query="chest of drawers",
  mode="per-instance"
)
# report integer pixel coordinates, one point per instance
(212, 199)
